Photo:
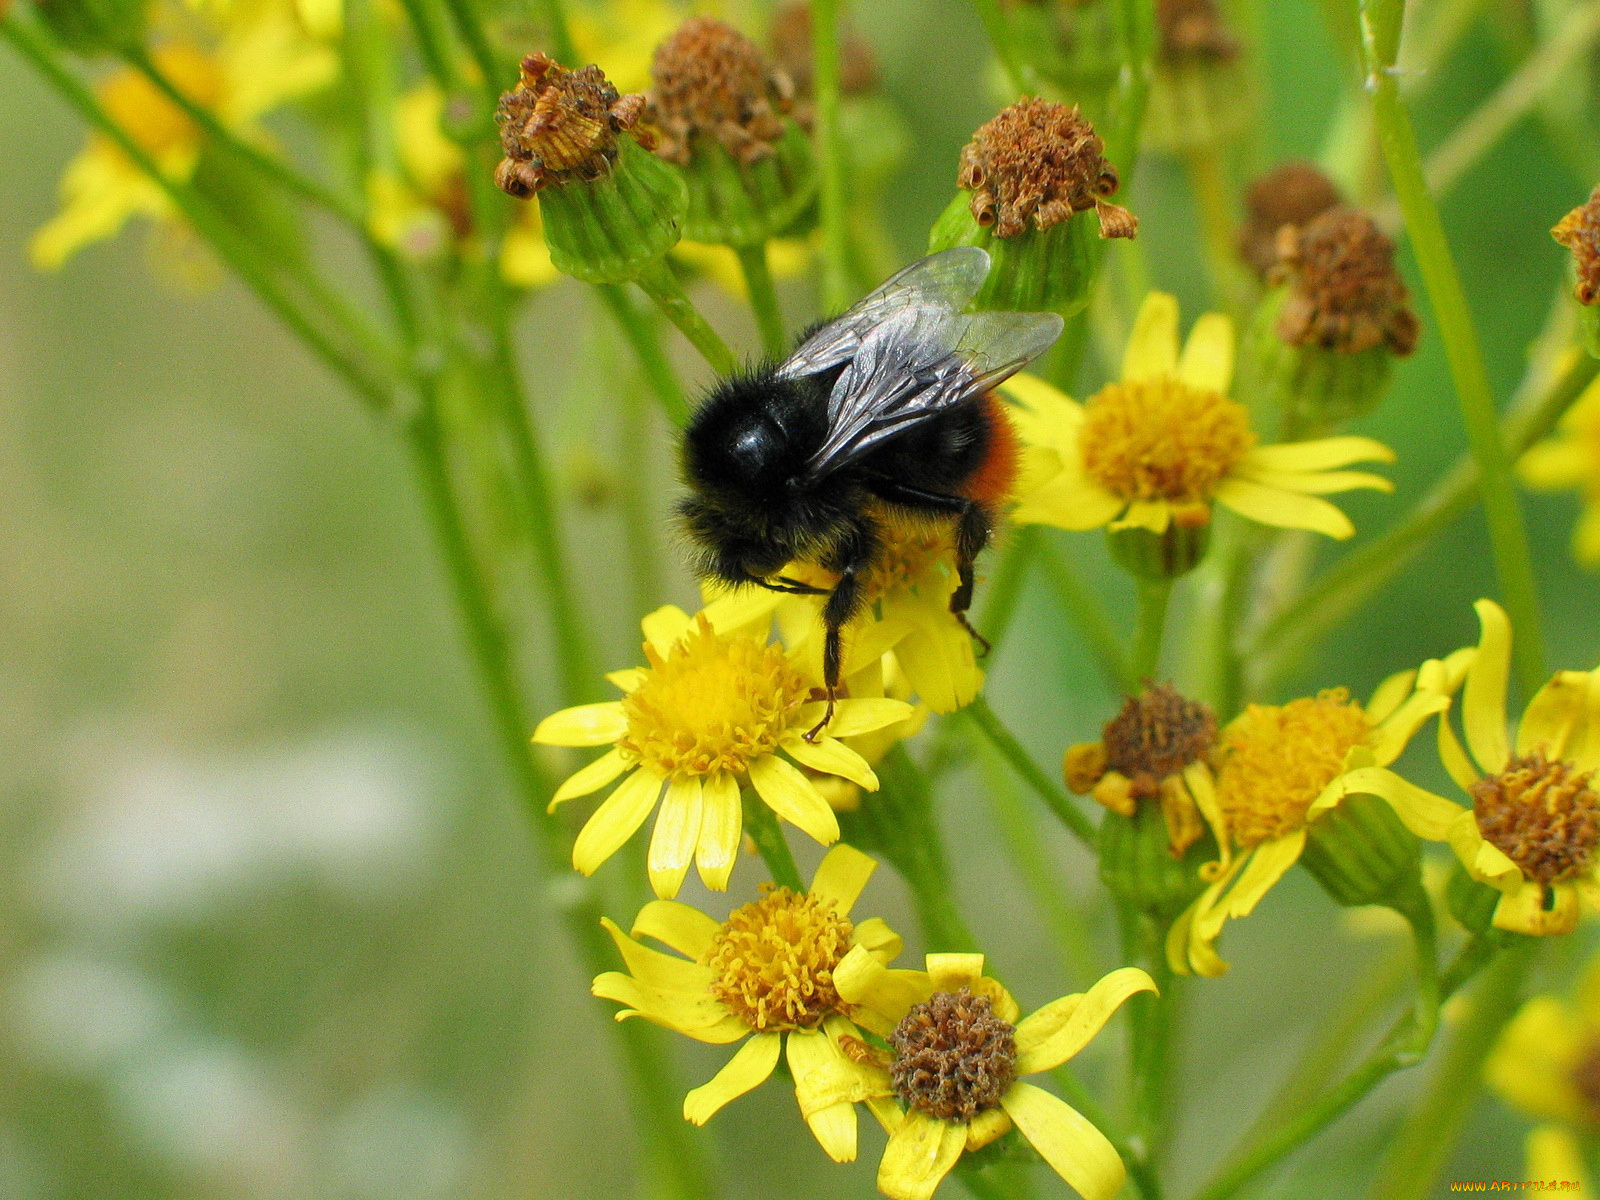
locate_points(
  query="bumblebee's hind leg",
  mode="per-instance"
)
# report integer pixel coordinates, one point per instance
(851, 559)
(973, 529)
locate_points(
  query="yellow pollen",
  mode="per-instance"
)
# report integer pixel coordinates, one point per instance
(774, 960)
(712, 704)
(1278, 760)
(157, 124)
(1160, 439)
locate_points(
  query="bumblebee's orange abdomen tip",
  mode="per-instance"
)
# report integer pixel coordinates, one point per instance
(992, 483)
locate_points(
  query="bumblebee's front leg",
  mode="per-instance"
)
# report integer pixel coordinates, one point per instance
(851, 560)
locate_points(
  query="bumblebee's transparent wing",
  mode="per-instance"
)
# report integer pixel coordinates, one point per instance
(918, 363)
(947, 280)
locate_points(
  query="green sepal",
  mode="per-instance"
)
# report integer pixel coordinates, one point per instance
(731, 204)
(90, 27)
(1170, 554)
(1361, 853)
(1137, 866)
(1313, 389)
(1037, 271)
(608, 229)
(1471, 903)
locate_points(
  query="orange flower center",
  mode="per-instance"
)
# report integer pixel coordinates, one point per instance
(1161, 439)
(1543, 814)
(774, 960)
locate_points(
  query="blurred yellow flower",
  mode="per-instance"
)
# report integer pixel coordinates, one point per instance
(263, 58)
(765, 974)
(1570, 460)
(1534, 824)
(621, 37)
(1164, 443)
(787, 258)
(957, 1052)
(708, 715)
(1279, 768)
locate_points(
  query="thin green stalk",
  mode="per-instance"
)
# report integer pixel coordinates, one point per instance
(1150, 628)
(899, 820)
(1380, 35)
(433, 41)
(1053, 794)
(641, 335)
(1005, 592)
(1136, 29)
(634, 483)
(1084, 610)
(1151, 1026)
(1340, 591)
(661, 285)
(763, 298)
(1020, 75)
(1428, 1134)
(373, 378)
(555, 16)
(464, 14)
(761, 823)
(830, 154)
(677, 1155)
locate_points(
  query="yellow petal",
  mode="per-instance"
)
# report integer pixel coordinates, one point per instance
(1454, 758)
(1483, 705)
(676, 832)
(952, 972)
(1586, 537)
(628, 679)
(986, 1128)
(1314, 483)
(874, 935)
(658, 970)
(868, 641)
(1071, 500)
(698, 1015)
(1197, 778)
(590, 779)
(1389, 740)
(943, 671)
(1554, 715)
(1523, 910)
(1037, 396)
(1324, 454)
(1556, 464)
(1153, 346)
(1058, 1031)
(1585, 750)
(586, 725)
(834, 1127)
(851, 718)
(841, 875)
(1154, 515)
(794, 798)
(1554, 1153)
(742, 609)
(884, 996)
(616, 820)
(664, 627)
(1423, 813)
(1064, 1138)
(1534, 1060)
(1390, 694)
(1484, 861)
(1207, 361)
(686, 929)
(747, 1069)
(721, 823)
(1285, 510)
(919, 1155)
(830, 756)
(826, 1084)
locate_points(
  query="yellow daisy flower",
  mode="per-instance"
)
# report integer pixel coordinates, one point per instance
(766, 974)
(1534, 823)
(1546, 1064)
(621, 36)
(957, 1052)
(264, 58)
(907, 616)
(787, 258)
(1162, 445)
(1279, 769)
(708, 715)
(1570, 460)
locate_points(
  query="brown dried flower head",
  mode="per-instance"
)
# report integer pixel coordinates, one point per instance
(1544, 814)
(1344, 291)
(1579, 231)
(711, 80)
(791, 50)
(1295, 193)
(1042, 161)
(1194, 31)
(557, 126)
(953, 1058)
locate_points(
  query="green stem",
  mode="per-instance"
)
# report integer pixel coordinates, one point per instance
(641, 335)
(1380, 21)
(646, 582)
(830, 154)
(494, 75)
(1151, 1023)
(763, 298)
(555, 16)
(1053, 794)
(1020, 75)
(1339, 592)
(661, 285)
(1136, 29)
(900, 821)
(433, 42)
(1003, 594)
(761, 823)
(1084, 610)
(1428, 1134)
(1154, 595)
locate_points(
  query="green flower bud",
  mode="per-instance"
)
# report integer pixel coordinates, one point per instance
(1027, 176)
(609, 207)
(1174, 552)
(1322, 344)
(1138, 867)
(1361, 854)
(1199, 97)
(1579, 231)
(724, 115)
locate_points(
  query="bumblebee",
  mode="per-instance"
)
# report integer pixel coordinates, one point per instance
(886, 412)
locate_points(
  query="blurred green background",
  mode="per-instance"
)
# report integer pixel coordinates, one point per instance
(270, 923)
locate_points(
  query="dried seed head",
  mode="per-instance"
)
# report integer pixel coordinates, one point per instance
(711, 80)
(557, 126)
(1194, 31)
(1294, 194)
(1543, 814)
(1344, 291)
(1040, 160)
(1579, 231)
(953, 1058)
(1158, 733)
(791, 51)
